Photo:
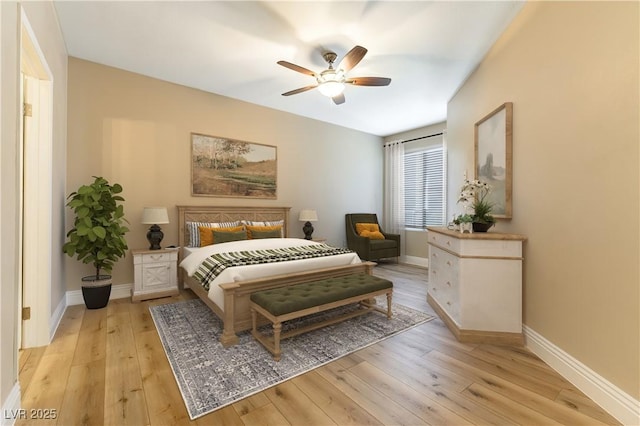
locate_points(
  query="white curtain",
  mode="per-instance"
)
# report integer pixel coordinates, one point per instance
(393, 211)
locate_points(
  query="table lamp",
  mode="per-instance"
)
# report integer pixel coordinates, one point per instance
(307, 216)
(153, 216)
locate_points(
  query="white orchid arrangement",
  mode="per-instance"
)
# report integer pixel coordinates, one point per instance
(472, 188)
(474, 192)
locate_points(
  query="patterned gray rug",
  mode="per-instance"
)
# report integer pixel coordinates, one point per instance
(211, 377)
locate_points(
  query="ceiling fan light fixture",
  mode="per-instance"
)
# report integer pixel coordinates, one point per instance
(331, 82)
(331, 88)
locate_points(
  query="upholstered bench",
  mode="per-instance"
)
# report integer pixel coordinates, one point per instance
(296, 301)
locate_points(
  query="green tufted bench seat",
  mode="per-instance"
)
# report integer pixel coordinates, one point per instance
(296, 301)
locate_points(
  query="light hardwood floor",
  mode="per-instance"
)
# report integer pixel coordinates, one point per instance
(108, 367)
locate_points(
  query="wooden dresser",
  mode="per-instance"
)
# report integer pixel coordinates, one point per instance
(475, 284)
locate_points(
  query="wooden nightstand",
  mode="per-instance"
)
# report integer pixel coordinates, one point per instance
(155, 274)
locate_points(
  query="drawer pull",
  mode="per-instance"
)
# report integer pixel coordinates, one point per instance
(448, 243)
(434, 255)
(449, 303)
(449, 283)
(448, 263)
(155, 257)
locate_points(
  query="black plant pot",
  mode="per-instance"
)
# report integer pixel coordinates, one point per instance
(96, 291)
(481, 227)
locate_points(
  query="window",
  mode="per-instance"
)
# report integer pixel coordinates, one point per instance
(424, 187)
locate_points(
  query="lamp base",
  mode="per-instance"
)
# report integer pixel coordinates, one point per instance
(308, 230)
(155, 236)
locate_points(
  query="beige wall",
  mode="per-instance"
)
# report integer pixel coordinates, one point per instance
(571, 71)
(43, 21)
(135, 130)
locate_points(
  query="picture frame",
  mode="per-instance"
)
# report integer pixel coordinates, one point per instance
(493, 140)
(224, 167)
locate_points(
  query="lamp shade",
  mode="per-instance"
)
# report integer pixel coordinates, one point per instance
(308, 216)
(331, 88)
(155, 215)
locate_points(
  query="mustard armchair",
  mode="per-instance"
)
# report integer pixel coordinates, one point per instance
(367, 248)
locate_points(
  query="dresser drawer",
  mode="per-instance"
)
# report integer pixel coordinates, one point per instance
(443, 285)
(443, 266)
(443, 241)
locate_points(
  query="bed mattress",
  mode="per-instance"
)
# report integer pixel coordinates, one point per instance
(195, 256)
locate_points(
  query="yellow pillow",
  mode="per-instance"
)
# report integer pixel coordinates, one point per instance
(206, 233)
(374, 235)
(369, 230)
(262, 229)
(371, 227)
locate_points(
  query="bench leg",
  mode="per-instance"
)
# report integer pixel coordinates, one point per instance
(254, 320)
(389, 305)
(277, 329)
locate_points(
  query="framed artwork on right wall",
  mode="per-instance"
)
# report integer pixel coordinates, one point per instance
(493, 157)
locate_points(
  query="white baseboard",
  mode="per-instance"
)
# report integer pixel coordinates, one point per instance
(55, 319)
(11, 407)
(119, 291)
(414, 260)
(612, 399)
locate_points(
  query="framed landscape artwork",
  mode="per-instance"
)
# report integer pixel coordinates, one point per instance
(222, 167)
(493, 157)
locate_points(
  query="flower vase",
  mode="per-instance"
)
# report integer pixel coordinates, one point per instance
(466, 227)
(481, 227)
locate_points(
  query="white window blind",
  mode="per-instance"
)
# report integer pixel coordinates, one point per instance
(424, 187)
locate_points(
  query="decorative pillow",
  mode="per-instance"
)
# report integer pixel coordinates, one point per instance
(220, 237)
(374, 235)
(194, 235)
(252, 229)
(274, 233)
(279, 223)
(371, 227)
(266, 223)
(369, 230)
(206, 234)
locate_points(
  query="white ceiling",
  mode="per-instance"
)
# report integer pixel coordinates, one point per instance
(231, 48)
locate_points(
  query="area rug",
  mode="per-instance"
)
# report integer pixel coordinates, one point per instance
(211, 376)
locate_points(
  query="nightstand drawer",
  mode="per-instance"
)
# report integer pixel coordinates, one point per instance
(156, 257)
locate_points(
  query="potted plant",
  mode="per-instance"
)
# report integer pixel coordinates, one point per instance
(464, 222)
(97, 236)
(475, 192)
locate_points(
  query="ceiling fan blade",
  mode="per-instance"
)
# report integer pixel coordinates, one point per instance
(368, 81)
(352, 58)
(338, 99)
(297, 68)
(300, 90)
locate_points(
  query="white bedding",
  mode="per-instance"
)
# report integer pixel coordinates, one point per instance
(243, 273)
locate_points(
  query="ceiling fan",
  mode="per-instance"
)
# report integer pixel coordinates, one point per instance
(331, 81)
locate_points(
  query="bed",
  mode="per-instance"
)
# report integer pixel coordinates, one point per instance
(228, 295)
